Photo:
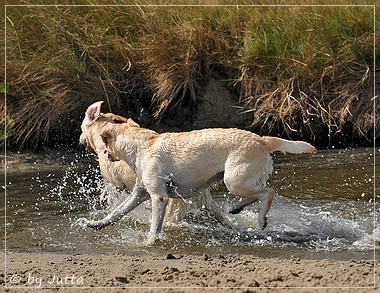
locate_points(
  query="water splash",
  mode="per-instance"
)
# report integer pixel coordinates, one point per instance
(79, 223)
(311, 222)
(315, 225)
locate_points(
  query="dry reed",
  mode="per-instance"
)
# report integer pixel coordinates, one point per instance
(301, 71)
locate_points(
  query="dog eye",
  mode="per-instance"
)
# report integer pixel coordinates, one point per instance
(105, 151)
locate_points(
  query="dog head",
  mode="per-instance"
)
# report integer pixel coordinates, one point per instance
(107, 138)
(116, 142)
(93, 123)
(122, 141)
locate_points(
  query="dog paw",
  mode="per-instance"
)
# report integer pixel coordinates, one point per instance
(94, 225)
(154, 239)
(262, 223)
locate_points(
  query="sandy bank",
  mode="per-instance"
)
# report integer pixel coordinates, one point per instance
(185, 273)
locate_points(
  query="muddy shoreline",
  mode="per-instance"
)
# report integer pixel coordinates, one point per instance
(185, 273)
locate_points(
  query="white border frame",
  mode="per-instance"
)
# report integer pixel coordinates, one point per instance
(189, 5)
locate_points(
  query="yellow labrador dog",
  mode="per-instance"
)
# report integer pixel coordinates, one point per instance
(184, 164)
(121, 175)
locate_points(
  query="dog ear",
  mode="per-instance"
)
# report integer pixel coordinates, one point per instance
(106, 137)
(132, 123)
(93, 112)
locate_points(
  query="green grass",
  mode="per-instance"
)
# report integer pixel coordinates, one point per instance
(300, 67)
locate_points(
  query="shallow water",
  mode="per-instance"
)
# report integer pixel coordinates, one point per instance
(324, 208)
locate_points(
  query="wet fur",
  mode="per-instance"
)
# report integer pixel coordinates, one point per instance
(192, 161)
(119, 173)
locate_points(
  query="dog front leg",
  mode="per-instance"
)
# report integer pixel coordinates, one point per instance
(159, 204)
(138, 196)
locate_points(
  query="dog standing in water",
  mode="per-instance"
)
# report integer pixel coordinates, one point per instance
(122, 176)
(186, 164)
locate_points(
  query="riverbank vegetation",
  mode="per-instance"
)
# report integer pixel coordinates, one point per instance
(300, 72)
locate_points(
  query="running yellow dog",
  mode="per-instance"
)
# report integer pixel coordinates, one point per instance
(121, 175)
(185, 164)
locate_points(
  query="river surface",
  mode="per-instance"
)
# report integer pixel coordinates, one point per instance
(325, 208)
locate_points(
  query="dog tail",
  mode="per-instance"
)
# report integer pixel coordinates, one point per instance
(288, 146)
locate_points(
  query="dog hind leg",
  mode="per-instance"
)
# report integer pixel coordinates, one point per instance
(138, 196)
(215, 210)
(242, 204)
(159, 204)
(253, 194)
(267, 199)
(263, 194)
